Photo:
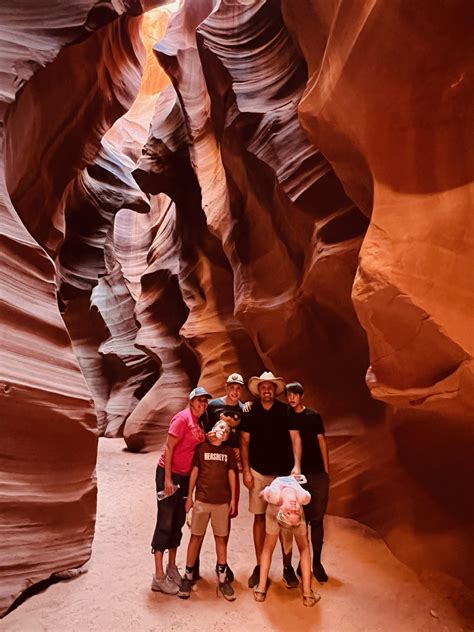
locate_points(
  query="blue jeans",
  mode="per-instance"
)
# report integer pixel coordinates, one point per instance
(171, 513)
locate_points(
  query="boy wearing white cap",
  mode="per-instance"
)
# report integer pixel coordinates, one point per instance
(228, 407)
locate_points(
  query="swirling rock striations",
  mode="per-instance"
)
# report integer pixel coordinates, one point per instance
(37, 180)
(387, 101)
(48, 431)
(185, 248)
(292, 238)
(160, 311)
(267, 233)
(117, 371)
(113, 367)
(309, 158)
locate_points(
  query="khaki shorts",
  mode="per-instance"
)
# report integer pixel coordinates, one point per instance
(273, 528)
(218, 514)
(257, 504)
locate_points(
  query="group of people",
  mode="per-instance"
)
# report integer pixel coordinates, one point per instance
(282, 453)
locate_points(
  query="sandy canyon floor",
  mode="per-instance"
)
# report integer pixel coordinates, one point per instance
(368, 591)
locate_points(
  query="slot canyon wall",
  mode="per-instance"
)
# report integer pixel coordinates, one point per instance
(287, 188)
(67, 74)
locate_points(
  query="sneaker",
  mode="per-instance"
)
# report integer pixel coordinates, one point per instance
(320, 573)
(164, 584)
(185, 589)
(173, 574)
(289, 577)
(225, 589)
(254, 578)
(229, 574)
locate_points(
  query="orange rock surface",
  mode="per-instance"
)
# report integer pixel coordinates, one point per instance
(291, 190)
(388, 101)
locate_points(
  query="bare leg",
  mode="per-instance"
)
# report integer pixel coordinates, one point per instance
(221, 548)
(266, 560)
(226, 538)
(303, 546)
(286, 556)
(172, 557)
(194, 546)
(158, 555)
(258, 534)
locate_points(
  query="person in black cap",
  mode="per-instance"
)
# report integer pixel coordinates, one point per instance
(172, 481)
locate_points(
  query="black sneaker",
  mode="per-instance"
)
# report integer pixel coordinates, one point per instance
(229, 573)
(225, 589)
(289, 577)
(320, 573)
(254, 578)
(185, 589)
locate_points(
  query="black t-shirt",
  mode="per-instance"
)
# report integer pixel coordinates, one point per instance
(214, 410)
(310, 425)
(270, 448)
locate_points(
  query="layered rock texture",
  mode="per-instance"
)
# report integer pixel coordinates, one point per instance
(290, 191)
(58, 102)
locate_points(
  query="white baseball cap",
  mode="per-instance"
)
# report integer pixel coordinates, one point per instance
(235, 378)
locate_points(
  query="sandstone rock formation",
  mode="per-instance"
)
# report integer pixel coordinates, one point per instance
(187, 252)
(289, 231)
(52, 129)
(419, 328)
(296, 200)
(387, 102)
(91, 278)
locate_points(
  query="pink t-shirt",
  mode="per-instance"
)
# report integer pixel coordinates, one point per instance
(185, 427)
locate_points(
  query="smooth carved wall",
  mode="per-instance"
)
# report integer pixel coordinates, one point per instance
(58, 102)
(388, 101)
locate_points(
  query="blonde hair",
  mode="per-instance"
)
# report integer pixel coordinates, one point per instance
(283, 520)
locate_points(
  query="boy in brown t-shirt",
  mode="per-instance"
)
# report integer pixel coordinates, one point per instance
(213, 476)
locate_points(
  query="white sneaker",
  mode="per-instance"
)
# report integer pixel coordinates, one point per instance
(165, 585)
(173, 573)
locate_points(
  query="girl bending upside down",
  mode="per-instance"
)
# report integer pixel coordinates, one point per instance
(284, 514)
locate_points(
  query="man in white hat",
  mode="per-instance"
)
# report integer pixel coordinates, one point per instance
(270, 446)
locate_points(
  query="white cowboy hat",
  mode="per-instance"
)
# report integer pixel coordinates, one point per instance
(267, 376)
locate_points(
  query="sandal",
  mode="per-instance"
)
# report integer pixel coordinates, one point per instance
(311, 598)
(259, 595)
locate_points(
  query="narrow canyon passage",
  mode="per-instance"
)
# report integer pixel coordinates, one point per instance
(369, 589)
(194, 188)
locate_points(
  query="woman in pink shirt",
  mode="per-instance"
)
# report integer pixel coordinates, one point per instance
(174, 466)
